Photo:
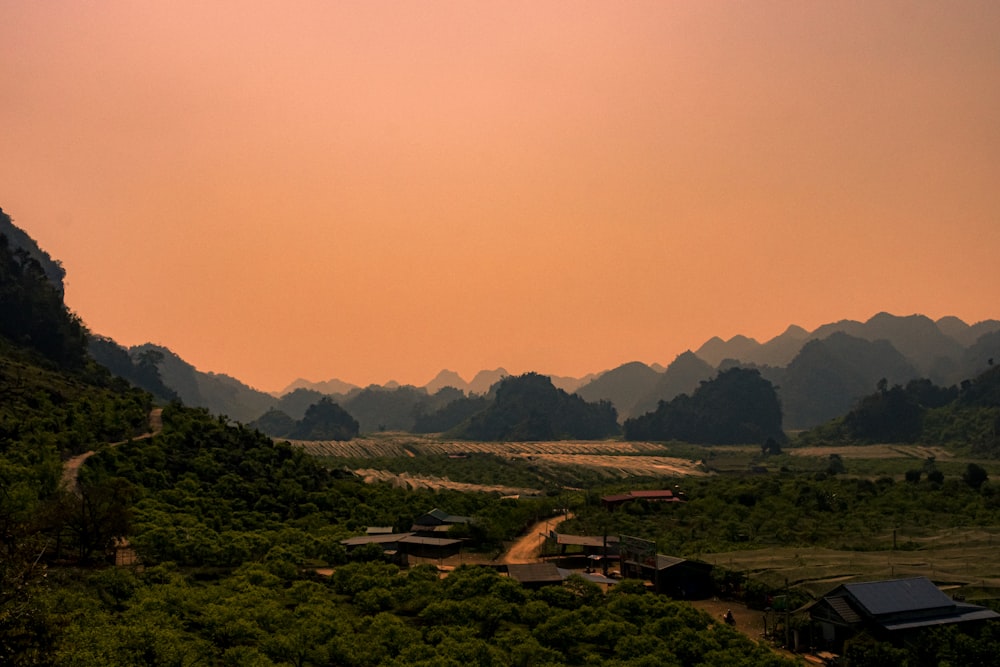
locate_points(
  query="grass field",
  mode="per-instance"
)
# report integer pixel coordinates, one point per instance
(963, 560)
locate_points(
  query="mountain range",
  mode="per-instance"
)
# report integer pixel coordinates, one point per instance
(819, 374)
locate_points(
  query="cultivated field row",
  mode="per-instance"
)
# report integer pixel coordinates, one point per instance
(375, 447)
(417, 481)
(874, 452)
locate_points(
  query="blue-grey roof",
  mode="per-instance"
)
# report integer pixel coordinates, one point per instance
(880, 598)
(960, 614)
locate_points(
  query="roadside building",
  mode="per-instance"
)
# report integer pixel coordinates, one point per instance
(896, 611)
(614, 501)
(437, 522)
(535, 575)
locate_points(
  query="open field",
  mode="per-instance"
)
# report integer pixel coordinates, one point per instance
(609, 458)
(418, 481)
(964, 560)
(874, 452)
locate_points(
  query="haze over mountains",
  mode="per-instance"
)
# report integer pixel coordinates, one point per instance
(819, 375)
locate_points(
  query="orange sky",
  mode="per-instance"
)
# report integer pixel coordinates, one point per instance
(379, 190)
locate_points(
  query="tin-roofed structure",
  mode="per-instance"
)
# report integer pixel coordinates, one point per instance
(897, 610)
(657, 495)
(535, 575)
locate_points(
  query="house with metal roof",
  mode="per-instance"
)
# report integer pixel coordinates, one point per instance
(680, 578)
(535, 575)
(437, 522)
(897, 611)
(657, 496)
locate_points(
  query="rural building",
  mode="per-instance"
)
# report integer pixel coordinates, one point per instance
(679, 578)
(402, 545)
(897, 611)
(657, 496)
(535, 575)
(436, 522)
(430, 547)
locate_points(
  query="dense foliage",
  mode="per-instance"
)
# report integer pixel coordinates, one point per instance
(726, 513)
(968, 416)
(450, 416)
(32, 313)
(143, 371)
(737, 406)
(370, 614)
(324, 420)
(529, 407)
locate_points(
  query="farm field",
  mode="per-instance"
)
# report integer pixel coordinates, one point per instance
(607, 459)
(961, 560)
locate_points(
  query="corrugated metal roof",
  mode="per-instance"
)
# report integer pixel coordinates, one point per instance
(880, 598)
(840, 605)
(960, 614)
(584, 540)
(663, 494)
(374, 539)
(534, 573)
(429, 541)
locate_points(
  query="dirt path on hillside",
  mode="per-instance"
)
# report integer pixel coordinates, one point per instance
(525, 550)
(71, 468)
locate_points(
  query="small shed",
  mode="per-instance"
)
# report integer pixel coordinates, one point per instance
(657, 495)
(679, 578)
(430, 547)
(437, 522)
(535, 575)
(388, 541)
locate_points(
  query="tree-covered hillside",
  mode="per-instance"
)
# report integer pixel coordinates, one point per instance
(965, 416)
(529, 407)
(737, 406)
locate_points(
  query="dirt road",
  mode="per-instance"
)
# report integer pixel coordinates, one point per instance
(71, 469)
(525, 550)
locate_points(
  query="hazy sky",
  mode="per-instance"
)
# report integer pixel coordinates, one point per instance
(379, 190)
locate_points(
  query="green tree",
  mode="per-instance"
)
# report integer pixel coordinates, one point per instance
(975, 475)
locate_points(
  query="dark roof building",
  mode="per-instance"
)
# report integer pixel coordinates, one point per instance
(535, 575)
(896, 610)
(437, 522)
(658, 496)
(438, 517)
(679, 578)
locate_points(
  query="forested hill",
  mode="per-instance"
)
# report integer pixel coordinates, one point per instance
(965, 416)
(17, 238)
(529, 407)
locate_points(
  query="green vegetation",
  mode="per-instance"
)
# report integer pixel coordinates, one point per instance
(324, 420)
(727, 513)
(528, 407)
(32, 313)
(230, 528)
(966, 418)
(737, 406)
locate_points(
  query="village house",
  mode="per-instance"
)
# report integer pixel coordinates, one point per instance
(896, 611)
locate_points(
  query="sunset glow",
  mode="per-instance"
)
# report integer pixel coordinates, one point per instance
(376, 191)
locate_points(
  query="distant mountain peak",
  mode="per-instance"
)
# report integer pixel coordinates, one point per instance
(331, 386)
(794, 331)
(446, 378)
(485, 379)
